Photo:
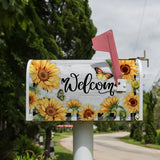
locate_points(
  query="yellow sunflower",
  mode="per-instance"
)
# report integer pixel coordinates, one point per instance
(33, 98)
(135, 84)
(108, 102)
(128, 69)
(87, 113)
(45, 74)
(51, 109)
(131, 102)
(73, 104)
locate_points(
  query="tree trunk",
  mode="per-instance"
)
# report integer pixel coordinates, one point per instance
(47, 142)
(133, 127)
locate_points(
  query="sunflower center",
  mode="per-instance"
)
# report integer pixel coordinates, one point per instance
(43, 75)
(50, 111)
(88, 113)
(133, 102)
(125, 69)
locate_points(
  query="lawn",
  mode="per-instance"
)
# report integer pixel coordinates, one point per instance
(63, 153)
(127, 139)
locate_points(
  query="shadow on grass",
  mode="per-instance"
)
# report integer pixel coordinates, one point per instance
(64, 156)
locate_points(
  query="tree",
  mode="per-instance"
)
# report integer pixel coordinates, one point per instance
(136, 127)
(70, 24)
(114, 126)
(150, 101)
(133, 127)
(102, 126)
(69, 21)
(35, 29)
(137, 135)
(156, 93)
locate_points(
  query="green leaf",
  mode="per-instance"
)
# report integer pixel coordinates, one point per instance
(32, 89)
(38, 117)
(5, 4)
(24, 25)
(121, 107)
(123, 114)
(109, 62)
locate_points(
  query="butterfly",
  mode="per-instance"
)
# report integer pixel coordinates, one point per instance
(61, 95)
(101, 75)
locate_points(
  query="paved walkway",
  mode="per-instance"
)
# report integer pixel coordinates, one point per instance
(109, 147)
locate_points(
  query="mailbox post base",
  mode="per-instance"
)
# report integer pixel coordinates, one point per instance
(83, 141)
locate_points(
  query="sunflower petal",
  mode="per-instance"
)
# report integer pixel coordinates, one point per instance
(42, 63)
(34, 77)
(51, 67)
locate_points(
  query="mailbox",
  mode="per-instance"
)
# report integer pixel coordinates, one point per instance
(83, 90)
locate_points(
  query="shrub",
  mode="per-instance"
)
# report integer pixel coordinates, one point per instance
(114, 126)
(124, 126)
(137, 133)
(158, 138)
(24, 143)
(133, 127)
(25, 157)
(150, 137)
(28, 157)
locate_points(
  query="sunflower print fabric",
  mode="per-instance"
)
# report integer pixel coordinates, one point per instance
(108, 103)
(45, 74)
(33, 98)
(128, 69)
(131, 103)
(57, 94)
(87, 113)
(51, 109)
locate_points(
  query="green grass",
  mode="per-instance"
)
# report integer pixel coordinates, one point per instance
(63, 153)
(127, 139)
(109, 132)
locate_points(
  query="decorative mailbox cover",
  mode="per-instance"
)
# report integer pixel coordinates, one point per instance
(82, 90)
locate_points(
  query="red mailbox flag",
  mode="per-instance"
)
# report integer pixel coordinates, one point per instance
(105, 42)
